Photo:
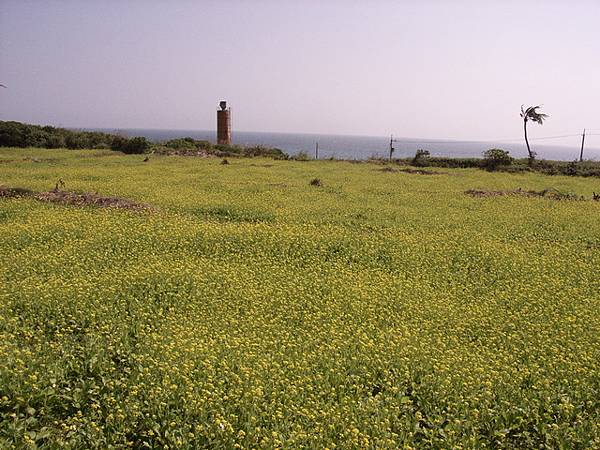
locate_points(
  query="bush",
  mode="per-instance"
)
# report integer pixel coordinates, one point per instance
(187, 143)
(118, 143)
(136, 145)
(259, 150)
(301, 156)
(133, 146)
(16, 134)
(75, 141)
(421, 158)
(495, 157)
(12, 134)
(56, 141)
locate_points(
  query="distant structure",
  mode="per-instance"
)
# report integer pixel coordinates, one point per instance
(224, 124)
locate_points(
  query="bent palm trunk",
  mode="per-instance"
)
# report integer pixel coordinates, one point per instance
(531, 157)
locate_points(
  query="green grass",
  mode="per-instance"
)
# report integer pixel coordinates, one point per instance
(382, 309)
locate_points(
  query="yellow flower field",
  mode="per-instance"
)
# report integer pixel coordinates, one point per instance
(250, 309)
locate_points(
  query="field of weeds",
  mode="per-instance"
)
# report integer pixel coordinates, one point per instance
(248, 306)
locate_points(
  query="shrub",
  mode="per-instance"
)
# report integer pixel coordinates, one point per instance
(260, 150)
(75, 141)
(301, 156)
(136, 145)
(187, 143)
(12, 134)
(204, 145)
(16, 134)
(118, 143)
(228, 150)
(421, 158)
(495, 157)
(56, 141)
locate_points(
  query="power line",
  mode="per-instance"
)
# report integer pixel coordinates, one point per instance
(555, 137)
(444, 141)
(400, 141)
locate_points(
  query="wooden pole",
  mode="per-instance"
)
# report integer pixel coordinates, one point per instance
(391, 146)
(582, 142)
(316, 150)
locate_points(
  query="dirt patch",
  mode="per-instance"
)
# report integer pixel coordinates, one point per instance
(412, 171)
(28, 159)
(40, 160)
(74, 198)
(89, 199)
(8, 192)
(261, 165)
(197, 153)
(551, 193)
(421, 171)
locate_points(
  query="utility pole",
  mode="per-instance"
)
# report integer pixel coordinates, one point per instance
(582, 142)
(392, 149)
(317, 150)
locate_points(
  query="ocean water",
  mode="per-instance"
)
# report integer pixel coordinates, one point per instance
(364, 147)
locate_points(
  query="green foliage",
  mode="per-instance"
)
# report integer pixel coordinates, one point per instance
(573, 168)
(531, 114)
(136, 145)
(495, 157)
(451, 163)
(301, 156)
(187, 143)
(421, 158)
(118, 143)
(252, 310)
(582, 169)
(16, 134)
(260, 150)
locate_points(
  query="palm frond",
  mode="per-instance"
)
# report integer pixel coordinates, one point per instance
(532, 114)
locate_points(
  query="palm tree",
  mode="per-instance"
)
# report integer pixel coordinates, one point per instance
(527, 115)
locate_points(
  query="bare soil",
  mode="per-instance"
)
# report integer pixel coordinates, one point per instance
(197, 153)
(8, 192)
(551, 193)
(74, 198)
(412, 171)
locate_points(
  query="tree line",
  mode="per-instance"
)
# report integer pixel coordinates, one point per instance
(17, 134)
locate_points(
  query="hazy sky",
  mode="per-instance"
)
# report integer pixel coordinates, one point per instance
(431, 69)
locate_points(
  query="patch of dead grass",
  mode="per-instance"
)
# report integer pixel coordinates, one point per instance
(74, 198)
(550, 193)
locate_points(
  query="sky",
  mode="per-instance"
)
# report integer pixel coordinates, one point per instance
(426, 69)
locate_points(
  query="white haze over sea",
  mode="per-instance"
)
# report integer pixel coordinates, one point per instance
(364, 147)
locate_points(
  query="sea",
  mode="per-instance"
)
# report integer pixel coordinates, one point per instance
(365, 147)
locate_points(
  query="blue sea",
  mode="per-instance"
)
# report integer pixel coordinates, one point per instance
(364, 147)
